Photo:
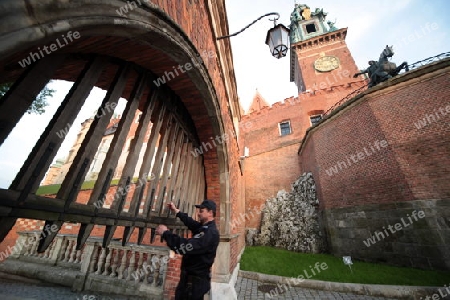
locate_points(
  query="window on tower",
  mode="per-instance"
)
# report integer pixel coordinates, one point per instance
(315, 119)
(310, 28)
(284, 128)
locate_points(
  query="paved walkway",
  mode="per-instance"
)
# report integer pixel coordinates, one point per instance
(20, 288)
(249, 289)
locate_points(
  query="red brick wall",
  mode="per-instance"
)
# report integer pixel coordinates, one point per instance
(273, 162)
(193, 18)
(378, 187)
(414, 165)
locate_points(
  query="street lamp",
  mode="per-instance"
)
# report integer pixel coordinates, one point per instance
(277, 38)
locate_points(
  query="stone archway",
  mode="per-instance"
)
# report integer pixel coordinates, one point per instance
(146, 38)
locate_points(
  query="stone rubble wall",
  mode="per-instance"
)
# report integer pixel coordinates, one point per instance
(291, 221)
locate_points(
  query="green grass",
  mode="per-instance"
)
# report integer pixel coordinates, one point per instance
(292, 264)
(53, 188)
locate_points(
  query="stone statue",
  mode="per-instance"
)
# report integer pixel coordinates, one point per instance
(383, 69)
(331, 25)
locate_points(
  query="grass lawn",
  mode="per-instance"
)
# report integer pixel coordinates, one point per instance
(281, 262)
(53, 188)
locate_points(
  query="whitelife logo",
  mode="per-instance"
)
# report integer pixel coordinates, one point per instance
(379, 235)
(46, 50)
(430, 118)
(354, 158)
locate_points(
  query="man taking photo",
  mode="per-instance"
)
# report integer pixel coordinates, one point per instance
(198, 252)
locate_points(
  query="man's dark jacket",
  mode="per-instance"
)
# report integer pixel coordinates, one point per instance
(199, 256)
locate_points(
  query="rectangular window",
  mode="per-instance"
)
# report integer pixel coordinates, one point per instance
(315, 119)
(310, 28)
(285, 128)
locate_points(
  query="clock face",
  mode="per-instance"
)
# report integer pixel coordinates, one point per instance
(326, 63)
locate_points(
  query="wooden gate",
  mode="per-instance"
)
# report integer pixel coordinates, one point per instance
(179, 176)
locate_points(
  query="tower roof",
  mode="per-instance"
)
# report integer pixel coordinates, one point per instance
(257, 103)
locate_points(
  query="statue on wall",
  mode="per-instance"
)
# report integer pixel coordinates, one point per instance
(383, 69)
(331, 25)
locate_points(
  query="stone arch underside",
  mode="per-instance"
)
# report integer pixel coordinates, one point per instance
(146, 41)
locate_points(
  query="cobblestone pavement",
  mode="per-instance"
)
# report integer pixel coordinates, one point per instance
(19, 288)
(248, 289)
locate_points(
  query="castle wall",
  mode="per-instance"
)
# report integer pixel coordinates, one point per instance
(381, 166)
(273, 164)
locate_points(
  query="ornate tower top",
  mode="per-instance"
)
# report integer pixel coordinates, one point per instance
(320, 58)
(306, 24)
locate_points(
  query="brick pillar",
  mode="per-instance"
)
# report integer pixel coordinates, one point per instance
(172, 277)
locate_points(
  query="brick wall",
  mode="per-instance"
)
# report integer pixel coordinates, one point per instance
(272, 164)
(373, 155)
(192, 16)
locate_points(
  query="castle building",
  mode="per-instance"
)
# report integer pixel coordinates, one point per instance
(380, 160)
(374, 161)
(322, 67)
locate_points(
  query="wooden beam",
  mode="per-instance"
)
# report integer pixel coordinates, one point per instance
(15, 103)
(166, 170)
(63, 118)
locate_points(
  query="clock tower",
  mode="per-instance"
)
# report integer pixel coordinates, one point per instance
(320, 58)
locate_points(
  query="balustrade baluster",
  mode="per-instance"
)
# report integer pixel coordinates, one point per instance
(156, 264)
(68, 249)
(115, 263)
(78, 256)
(162, 270)
(139, 267)
(49, 251)
(93, 262)
(28, 246)
(131, 266)
(34, 247)
(64, 245)
(149, 268)
(101, 261)
(108, 261)
(73, 252)
(123, 264)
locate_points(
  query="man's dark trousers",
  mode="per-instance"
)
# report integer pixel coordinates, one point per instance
(192, 287)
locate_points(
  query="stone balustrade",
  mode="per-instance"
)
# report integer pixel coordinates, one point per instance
(129, 270)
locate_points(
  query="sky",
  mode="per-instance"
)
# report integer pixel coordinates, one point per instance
(417, 30)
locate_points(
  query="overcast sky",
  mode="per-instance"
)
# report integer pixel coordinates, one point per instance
(417, 29)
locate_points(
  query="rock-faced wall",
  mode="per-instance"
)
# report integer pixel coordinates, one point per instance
(290, 220)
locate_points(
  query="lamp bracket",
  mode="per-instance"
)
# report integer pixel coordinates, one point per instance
(236, 33)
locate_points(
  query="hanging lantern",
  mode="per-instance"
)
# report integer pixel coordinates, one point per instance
(278, 40)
